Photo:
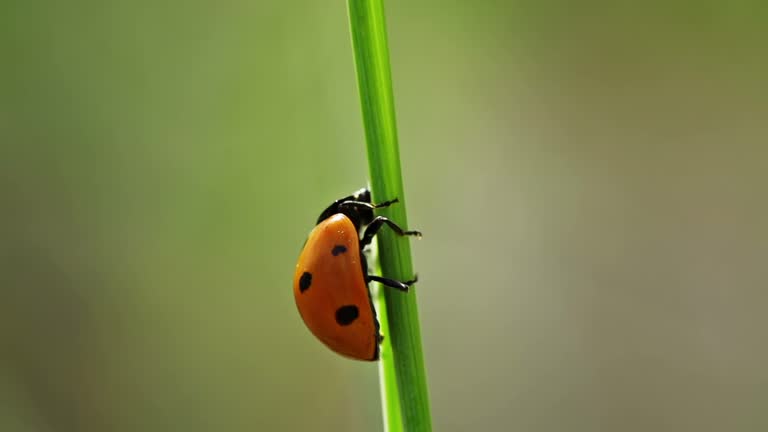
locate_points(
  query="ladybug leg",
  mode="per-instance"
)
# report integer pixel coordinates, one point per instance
(402, 286)
(361, 205)
(377, 223)
(386, 203)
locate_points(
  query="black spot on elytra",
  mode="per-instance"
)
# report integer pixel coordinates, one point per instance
(338, 250)
(345, 315)
(305, 281)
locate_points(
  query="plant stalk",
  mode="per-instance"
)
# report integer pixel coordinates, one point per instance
(404, 383)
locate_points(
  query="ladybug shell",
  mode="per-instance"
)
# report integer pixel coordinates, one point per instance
(331, 292)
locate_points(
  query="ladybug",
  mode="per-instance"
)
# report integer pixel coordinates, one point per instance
(331, 280)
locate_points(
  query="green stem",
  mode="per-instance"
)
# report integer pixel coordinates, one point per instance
(404, 382)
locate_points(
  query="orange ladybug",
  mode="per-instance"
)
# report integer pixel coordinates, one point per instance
(331, 280)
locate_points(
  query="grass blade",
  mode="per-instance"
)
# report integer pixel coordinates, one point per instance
(404, 382)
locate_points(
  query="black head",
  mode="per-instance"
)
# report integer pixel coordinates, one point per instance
(359, 215)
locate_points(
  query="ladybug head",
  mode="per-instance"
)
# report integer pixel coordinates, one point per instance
(359, 215)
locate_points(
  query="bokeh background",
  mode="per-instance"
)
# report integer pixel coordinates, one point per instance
(590, 178)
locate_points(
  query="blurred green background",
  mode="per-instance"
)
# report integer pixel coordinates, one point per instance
(591, 182)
